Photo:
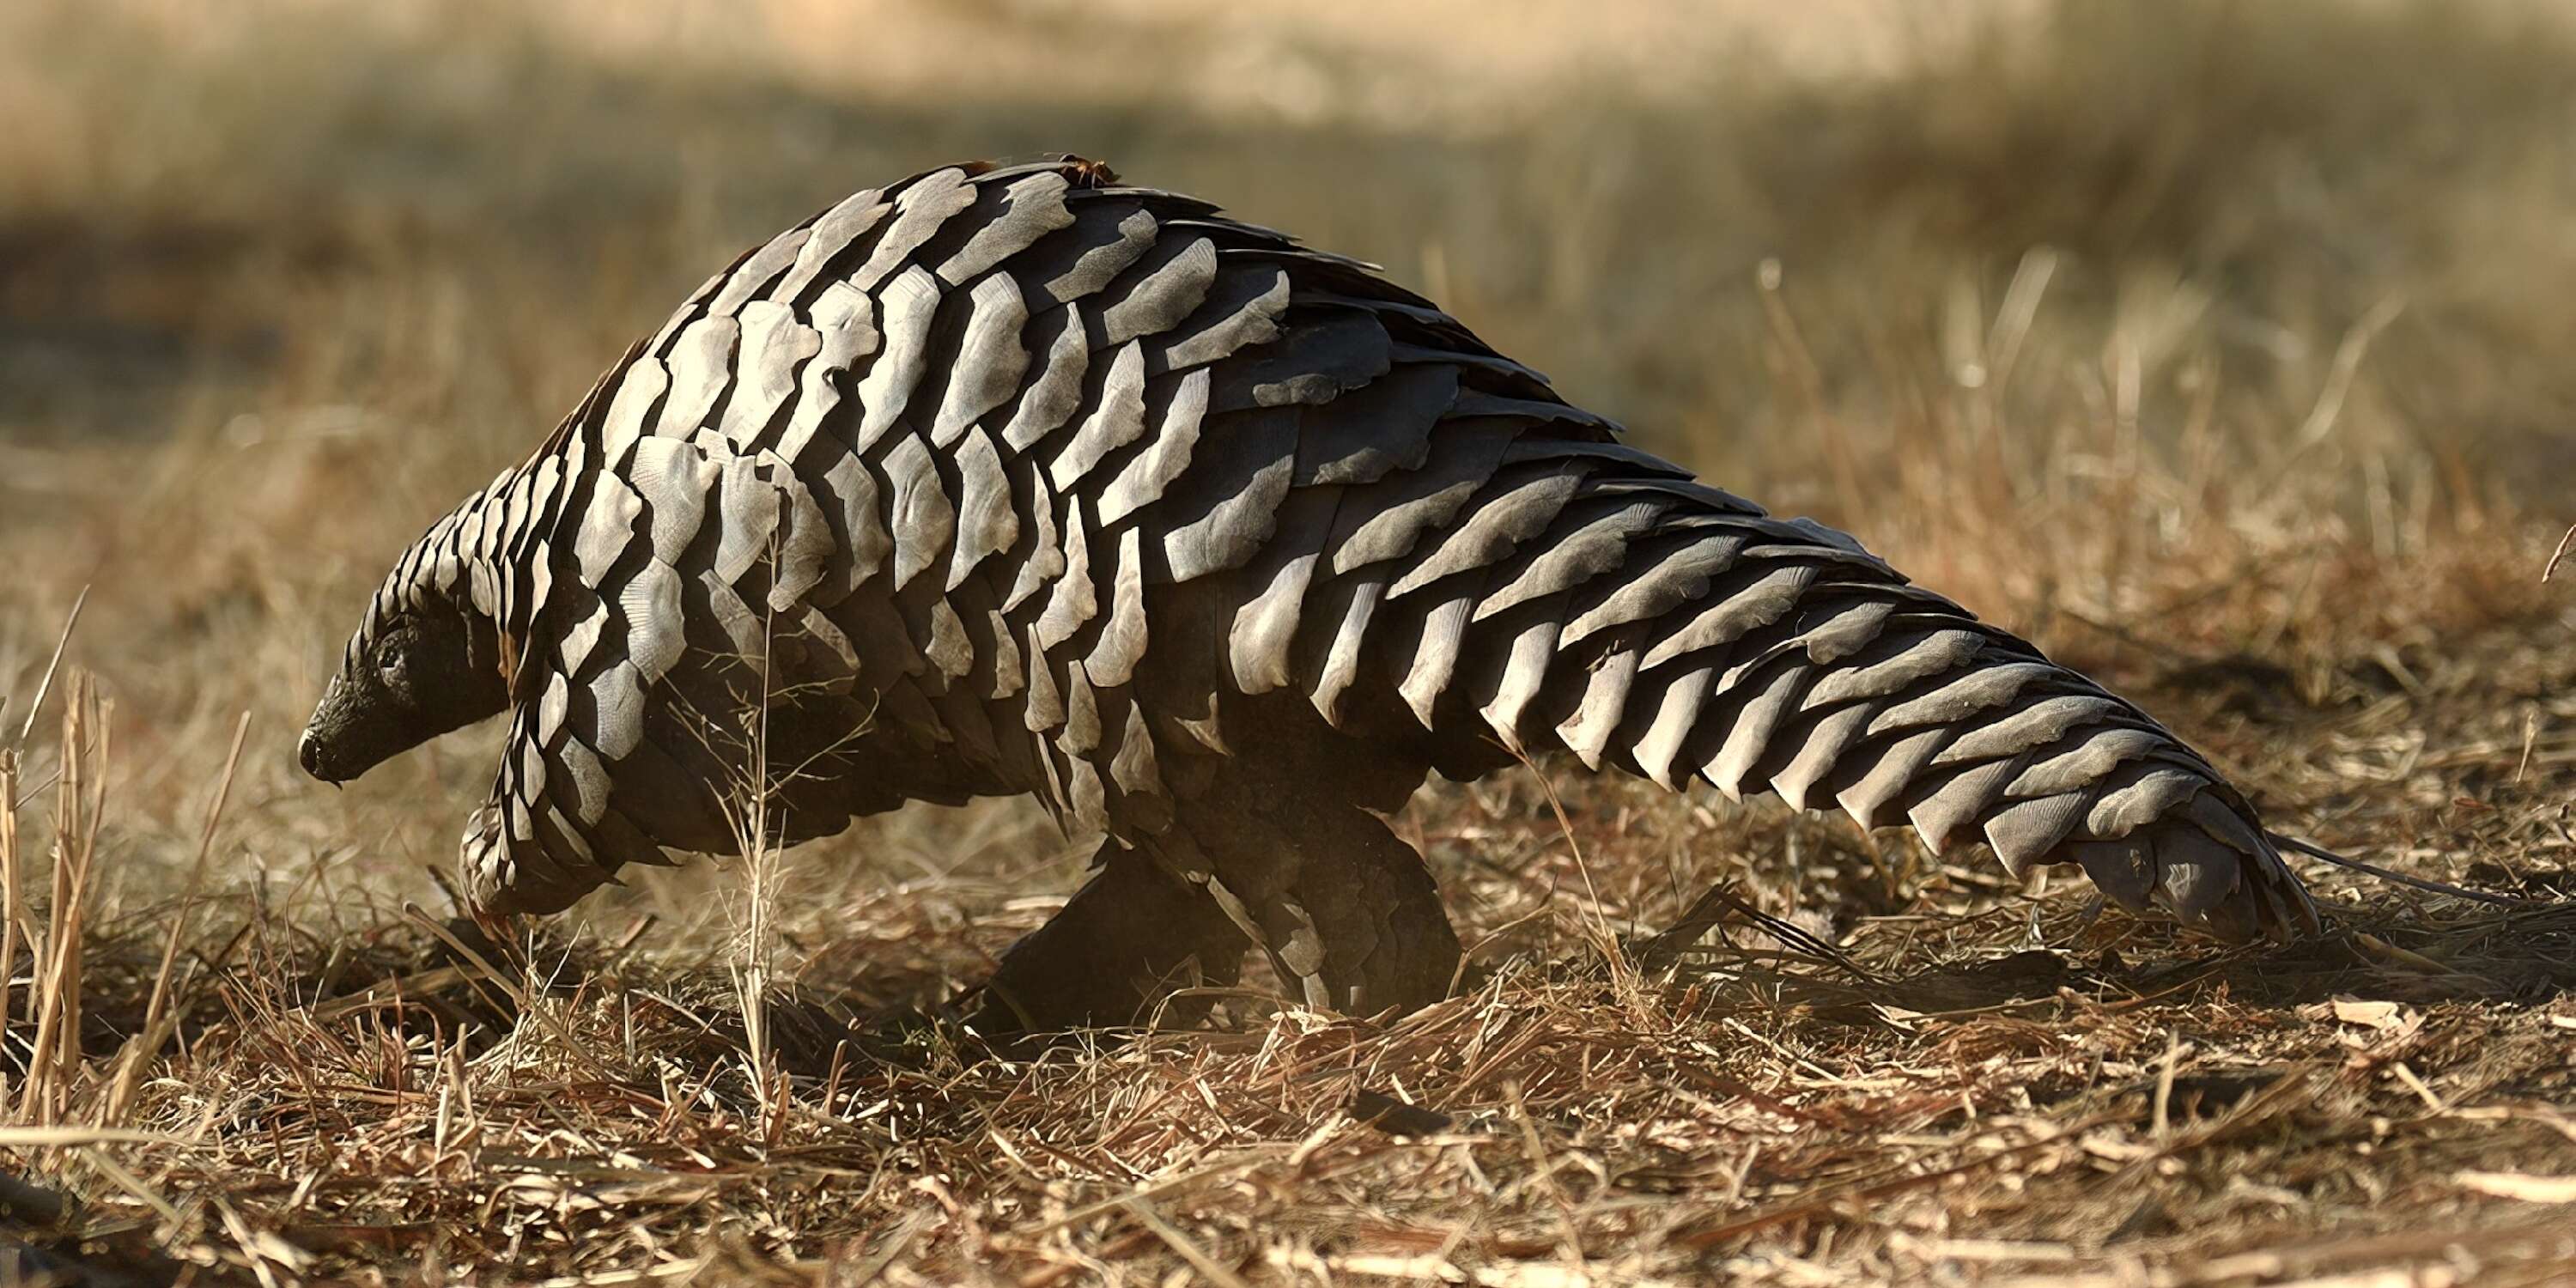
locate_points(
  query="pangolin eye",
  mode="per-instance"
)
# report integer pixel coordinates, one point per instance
(389, 660)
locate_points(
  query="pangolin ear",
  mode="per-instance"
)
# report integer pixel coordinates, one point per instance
(490, 650)
(522, 680)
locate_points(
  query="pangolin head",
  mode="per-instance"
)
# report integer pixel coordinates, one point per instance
(425, 660)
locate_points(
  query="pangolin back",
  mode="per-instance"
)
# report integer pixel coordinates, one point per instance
(1016, 480)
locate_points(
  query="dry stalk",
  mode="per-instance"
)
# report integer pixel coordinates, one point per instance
(53, 1051)
(1605, 941)
(754, 947)
(157, 1019)
(45, 685)
(12, 910)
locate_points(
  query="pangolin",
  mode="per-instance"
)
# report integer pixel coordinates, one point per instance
(1019, 480)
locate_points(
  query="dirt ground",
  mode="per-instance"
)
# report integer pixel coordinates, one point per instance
(2219, 348)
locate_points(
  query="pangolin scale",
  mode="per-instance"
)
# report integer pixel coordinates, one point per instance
(1017, 480)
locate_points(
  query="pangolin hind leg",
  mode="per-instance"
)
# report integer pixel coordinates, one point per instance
(1343, 907)
(1291, 828)
(1362, 897)
(1131, 935)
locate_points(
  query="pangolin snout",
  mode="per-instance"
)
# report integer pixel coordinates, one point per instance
(338, 740)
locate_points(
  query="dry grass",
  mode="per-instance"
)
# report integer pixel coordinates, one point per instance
(2219, 347)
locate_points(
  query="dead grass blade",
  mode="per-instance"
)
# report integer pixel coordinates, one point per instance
(74, 1135)
(12, 914)
(2413, 883)
(1833, 1198)
(62, 643)
(1215, 1271)
(1659, 952)
(157, 1022)
(53, 1062)
(196, 877)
